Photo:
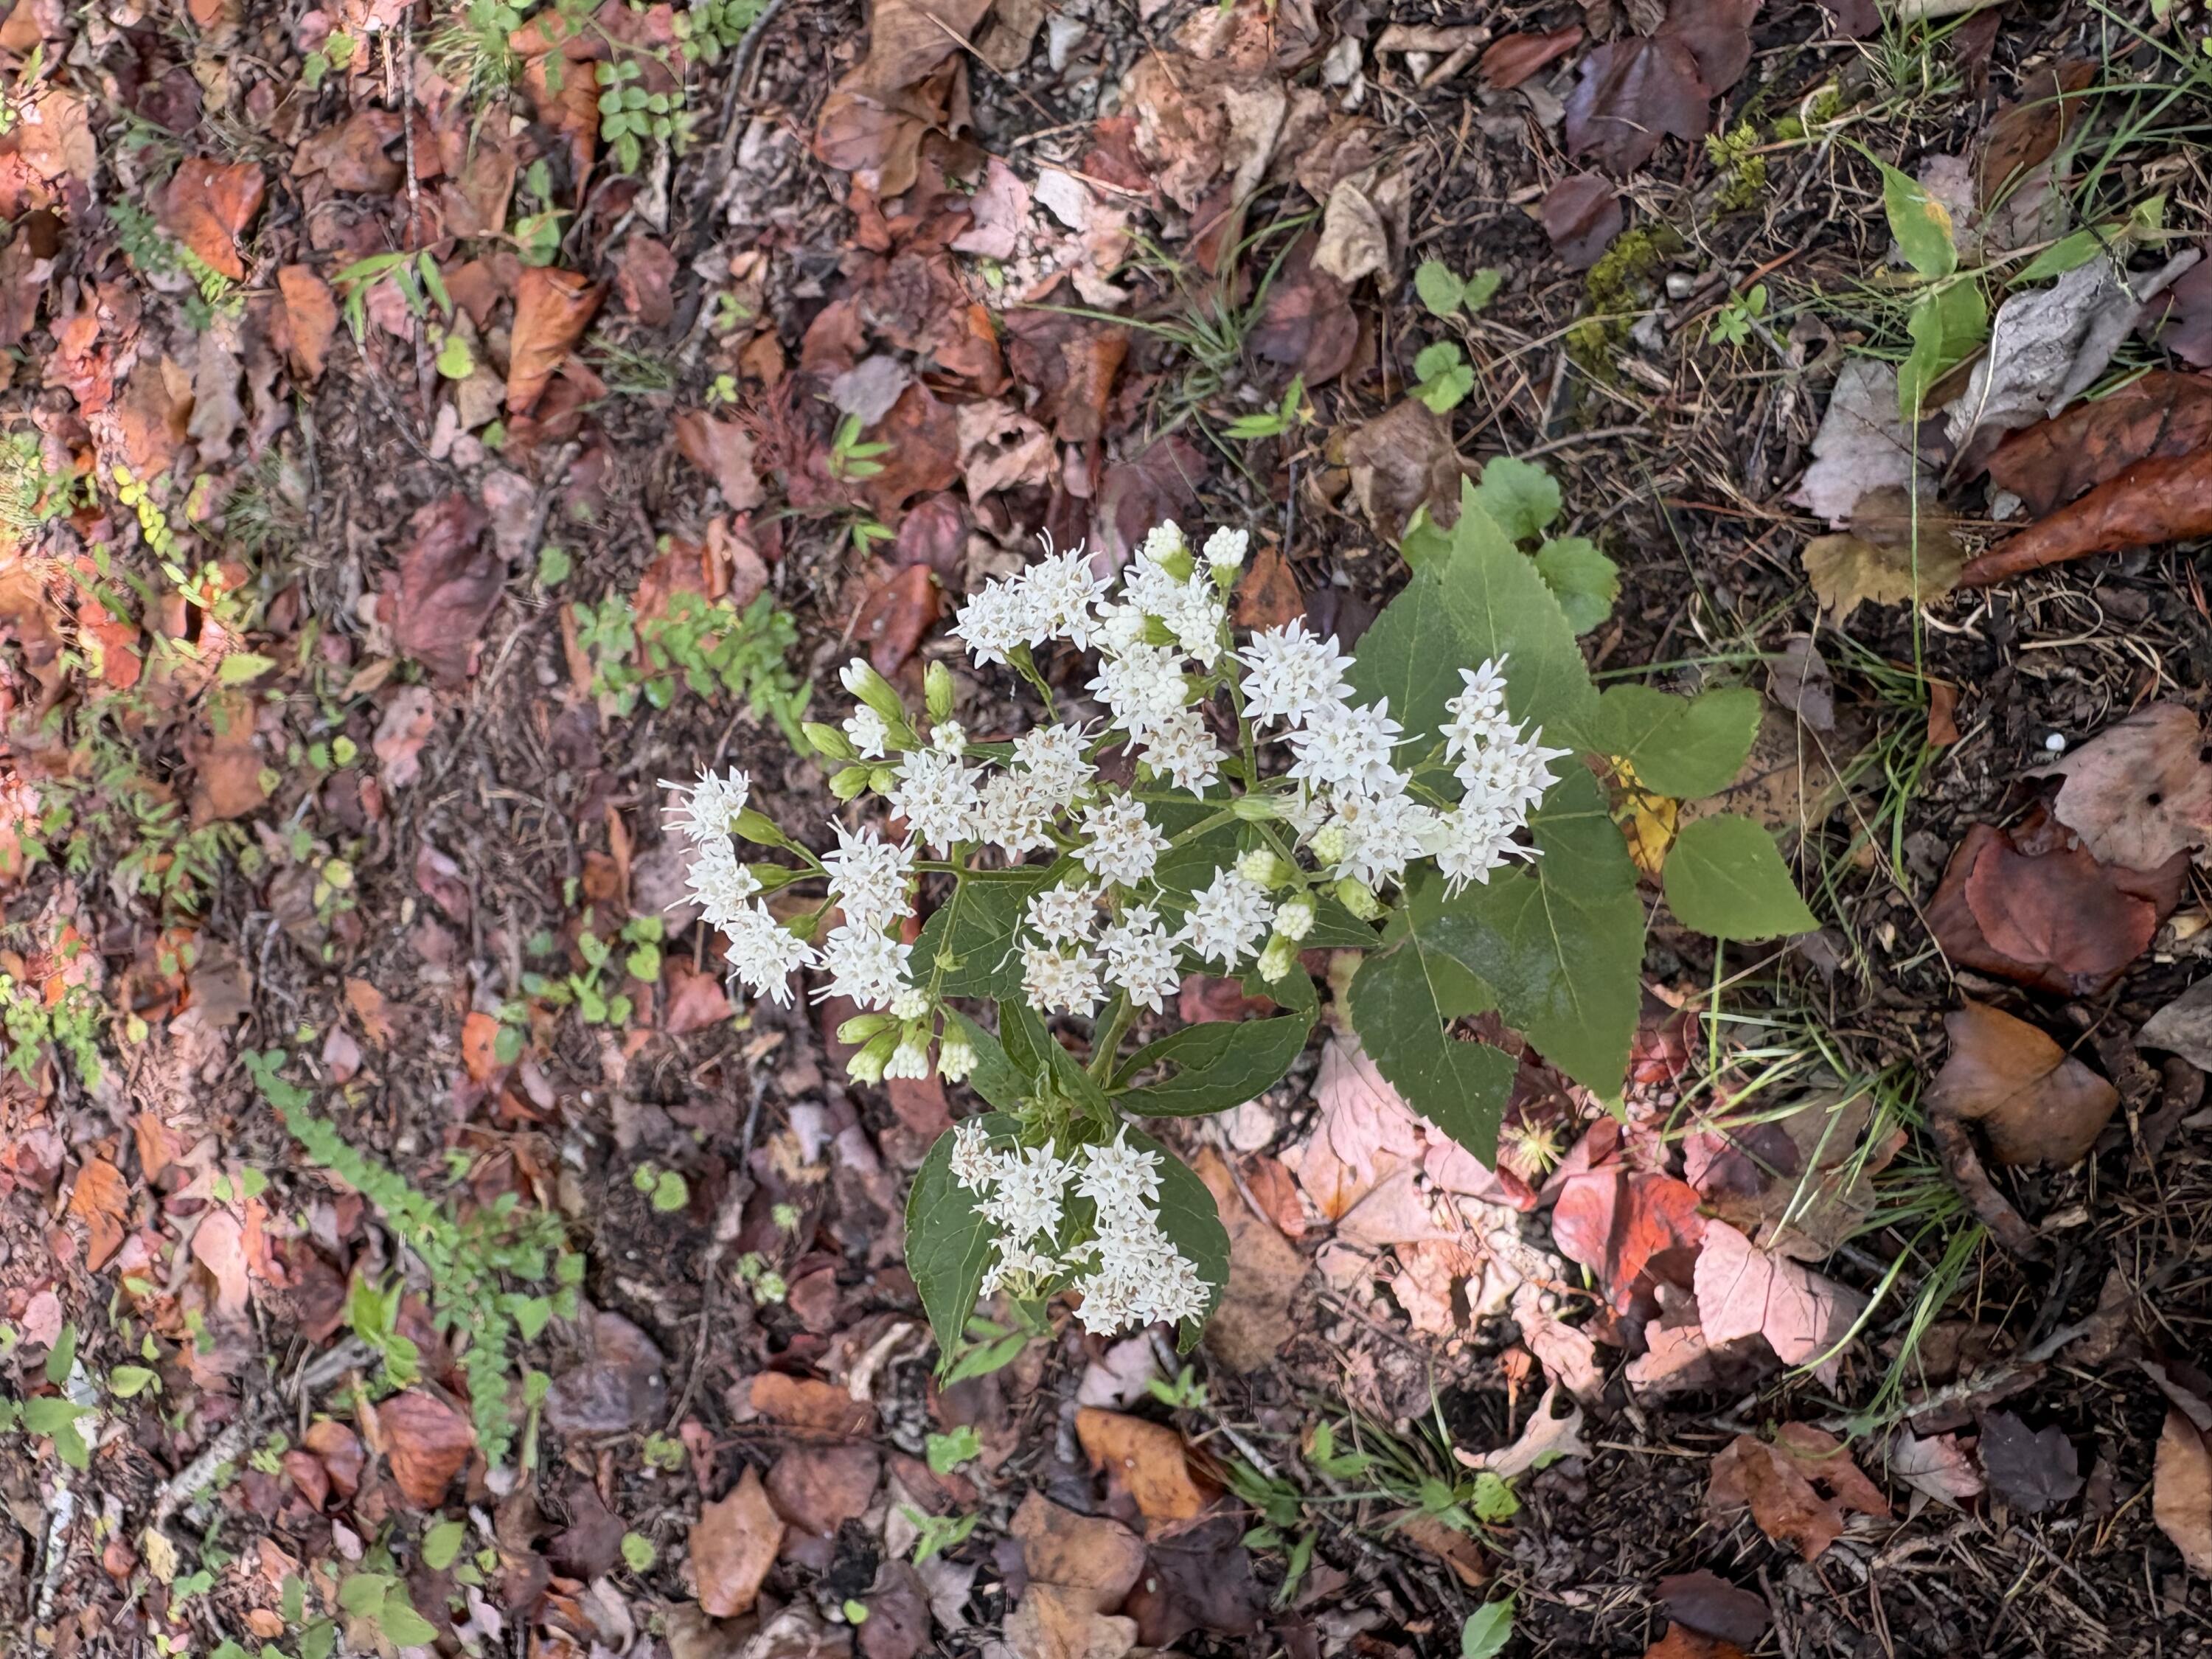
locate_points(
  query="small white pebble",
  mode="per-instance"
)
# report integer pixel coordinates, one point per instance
(2055, 743)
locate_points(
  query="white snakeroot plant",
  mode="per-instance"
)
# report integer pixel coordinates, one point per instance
(1221, 803)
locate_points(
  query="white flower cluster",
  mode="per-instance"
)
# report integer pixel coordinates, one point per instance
(1127, 1271)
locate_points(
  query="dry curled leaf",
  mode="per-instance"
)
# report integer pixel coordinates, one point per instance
(1780, 1481)
(733, 1544)
(450, 579)
(1148, 1459)
(1895, 550)
(2159, 415)
(101, 1200)
(428, 1442)
(1582, 215)
(2037, 1102)
(2140, 792)
(208, 204)
(552, 308)
(2164, 499)
(1743, 1290)
(2181, 1489)
(1512, 58)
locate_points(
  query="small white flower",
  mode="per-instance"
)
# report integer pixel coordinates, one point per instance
(1140, 957)
(1019, 1267)
(1348, 749)
(719, 882)
(1179, 746)
(910, 1059)
(1063, 591)
(868, 876)
(868, 967)
(936, 795)
(866, 731)
(1063, 916)
(708, 807)
(1122, 1181)
(1290, 675)
(1163, 541)
(1031, 1185)
(1225, 547)
(973, 1164)
(763, 954)
(1122, 845)
(1381, 834)
(1052, 758)
(1140, 688)
(1229, 918)
(949, 738)
(997, 618)
(956, 1055)
(1013, 814)
(1469, 841)
(1478, 714)
(1060, 984)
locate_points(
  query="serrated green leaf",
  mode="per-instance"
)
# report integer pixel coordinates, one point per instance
(1439, 287)
(441, 1545)
(1401, 1001)
(1585, 581)
(1520, 496)
(399, 1623)
(128, 1381)
(969, 939)
(1921, 224)
(948, 1243)
(1485, 600)
(1482, 287)
(1192, 1221)
(1216, 1065)
(1724, 876)
(1434, 361)
(1686, 747)
(62, 1355)
(362, 1595)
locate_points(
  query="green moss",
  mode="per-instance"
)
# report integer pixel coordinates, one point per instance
(1735, 154)
(1619, 285)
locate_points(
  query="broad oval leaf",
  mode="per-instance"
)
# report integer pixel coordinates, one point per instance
(1725, 876)
(1586, 582)
(967, 947)
(1921, 224)
(1520, 496)
(1686, 747)
(948, 1243)
(1217, 1066)
(1192, 1221)
(1401, 1001)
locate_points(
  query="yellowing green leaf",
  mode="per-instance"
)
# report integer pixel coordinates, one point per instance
(1921, 224)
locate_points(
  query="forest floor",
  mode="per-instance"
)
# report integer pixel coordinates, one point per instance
(430, 427)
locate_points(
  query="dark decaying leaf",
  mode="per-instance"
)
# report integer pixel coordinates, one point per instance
(1198, 1579)
(428, 1442)
(2026, 131)
(2162, 414)
(897, 613)
(1582, 215)
(2164, 499)
(2180, 319)
(1631, 94)
(2032, 1469)
(1512, 58)
(2037, 1102)
(449, 582)
(1710, 1605)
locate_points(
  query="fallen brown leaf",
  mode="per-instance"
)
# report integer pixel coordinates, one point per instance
(1892, 552)
(1268, 594)
(1543, 1440)
(723, 450)
(1615, 1221)
(804, 1402)
(895, 616)
(1201, 1578)
(552, 308)
(2164, 499)
(1148, 1459)
(450, 578)
(1681, 1642)
(2034, 1470)
(2180, 319)
(1633, 90)
(428, 1442)
(1582, 215)
(101, 1200)
(2026, 132)
(733, 1544)
(2037, 1102)
(2161, 415)
(1710, 1606)
(1940, 1465)
(2139, 793)
(1081, 1569)
(2181, 1489)
(208, 204)
(1512, 58)
(818, 1488)
(1743, 1290)
(227, 763)
(311, 317)
(1253, 1320)
(1401, 459)
(1778, 1482)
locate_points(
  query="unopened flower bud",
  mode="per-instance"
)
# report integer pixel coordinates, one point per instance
(937, 690)
(1330, 844)
(1263, 868)
(1357, 896)
(849, 783)
(1224, 551)
(829, 742)
(862, 681)
(861, 1027)
(1254, 809)
(768, 877)
(759, 828)
(867, 1066)
(1277, 959)
(910, 1059)
(881, 778)
(956, 1057)
(949, 738)
(1294, 917)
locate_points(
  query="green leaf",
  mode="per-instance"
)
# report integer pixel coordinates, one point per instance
(1921, 224)
(1192, 1221)
(1485, 600)
(1447, 391)
(441, 1545)
(638, 1552)
(1520, 496)
(554, 565)
(948, 1244)
(455, 360)
(969, 939)
(1947, 326)
(1493, 1498)
(362, 1595)
(241, 667)
(1482, 287)
(1585, 582)
(1217, 1065)
(1560, 943)
(1434, 361)
(1725, 876)
(401, 1625)
(2066, 253)
(947, 1452)
(51, 1415)
(1487, 1630)
(671, 1192)
(128, 1381)
(62, 1355)
(1401, 1000)
(1439, 287)
(995, 1078)
(1686, 747)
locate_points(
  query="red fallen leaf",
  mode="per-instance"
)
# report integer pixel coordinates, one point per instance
(1630, 93)
(1778, 1482)
(1206, 998)
(480, 1045)
(2162, 414)
(733, 1544)
(311, 317)
(2140, 793)
(1582, 215)
(428, 1442)
(367, 1004)
(2180, 319)
(935, 532)
(2044, 912)
(1067, 364)
(101, 1200)
(1681, 1642)
(339, 1450)
(551, 310)
(1267, 596)
(804, 1403)
(1512, 58)
(897, 613)
(2164, 499)
(1308, 325)
(449, 583)
(219, 1245)
(2025, 133)
(696, 1001)
(923, 432)
(722, 450)
(2037, 1102)
(1615, 1221)
(208, 204)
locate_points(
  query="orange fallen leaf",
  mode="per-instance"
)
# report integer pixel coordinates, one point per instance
(311, 317)
(208, 206)
(2037, 1102)
(1776, 1481)
(219, 1245)
(1148, 1458)
(101, 1200)
(480, 1045)
(428, 1442)
(367, 1004)
(551, 310)
(1269, 594)
(733, 1544)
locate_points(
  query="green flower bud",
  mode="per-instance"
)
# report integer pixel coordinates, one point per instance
(861, 1027)
(850, 783)
(881, 777)
(774, 876)
(1358, 897)
(867, 1066)
(1263, 868)
(829, 742)
(862, 681)
(1277, 959)
(759, 828)
(1330, 844)
(937, 690)
(1256, 809)
(1294, 917)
